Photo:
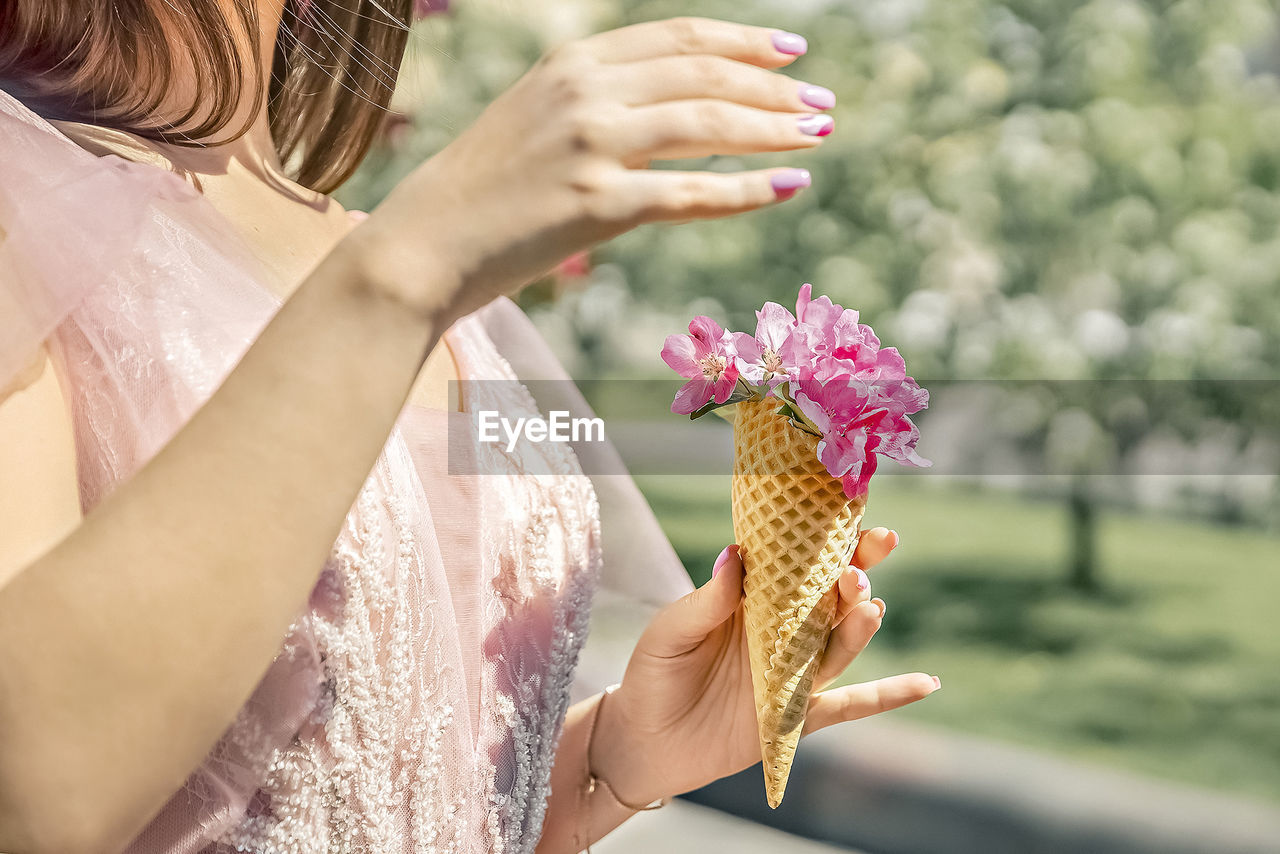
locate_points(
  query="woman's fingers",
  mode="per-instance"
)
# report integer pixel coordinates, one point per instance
(761, 46)
(674, 196)
(866, 699)
(848, 639)
(702, 127)
(854, 586)
(874, 546)
(686, 622)
(675, 78)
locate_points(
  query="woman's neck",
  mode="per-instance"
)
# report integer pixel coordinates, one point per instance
(254, 152)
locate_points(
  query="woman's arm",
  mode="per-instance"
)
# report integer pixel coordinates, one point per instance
(127, 649)
(37, 449)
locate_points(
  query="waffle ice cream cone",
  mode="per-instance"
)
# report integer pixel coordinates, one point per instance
(797, 532)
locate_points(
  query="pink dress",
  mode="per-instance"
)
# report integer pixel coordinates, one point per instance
(416, 701)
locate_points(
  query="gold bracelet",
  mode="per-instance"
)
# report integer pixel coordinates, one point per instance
(593, 782)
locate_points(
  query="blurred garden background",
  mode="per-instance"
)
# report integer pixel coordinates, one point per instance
(1086, 193)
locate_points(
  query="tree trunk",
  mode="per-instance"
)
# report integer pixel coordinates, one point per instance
(1083, 538)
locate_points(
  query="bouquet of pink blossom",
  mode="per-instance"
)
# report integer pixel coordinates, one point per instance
(815, 400)
(828, 372)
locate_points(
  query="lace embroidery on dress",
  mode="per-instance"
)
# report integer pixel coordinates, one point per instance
(539, 651)
(384, 764)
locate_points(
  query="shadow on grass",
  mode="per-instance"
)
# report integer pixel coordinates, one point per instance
(967, 603)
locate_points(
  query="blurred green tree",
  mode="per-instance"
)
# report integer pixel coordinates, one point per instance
(1027, 190)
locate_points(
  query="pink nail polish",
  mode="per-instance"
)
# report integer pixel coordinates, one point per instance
(816, 125)
(786, 183)
(721, 560)
(863, 581)
(818, 97)
(789, 43)
(937, 683)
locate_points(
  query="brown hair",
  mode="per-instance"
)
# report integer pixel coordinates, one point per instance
(112, 64)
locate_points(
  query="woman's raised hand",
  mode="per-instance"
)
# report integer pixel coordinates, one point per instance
(685, 714)
(558, 162)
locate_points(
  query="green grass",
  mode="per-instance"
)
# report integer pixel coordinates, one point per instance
(1173, 669)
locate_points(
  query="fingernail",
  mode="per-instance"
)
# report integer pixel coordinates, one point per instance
(818, 97)
(786, 183)
(863, 581)
(789, 43)
(882, 605)
(722, 560)
(896, 539)
(816, 125)
(937, 683)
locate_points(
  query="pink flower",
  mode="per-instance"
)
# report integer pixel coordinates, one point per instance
(707, 357)
(426, 8)
(835, 407)
(858, 481)
(827, 365)
(820, 313)
(822, 328)
(861, 414)
(761, 359)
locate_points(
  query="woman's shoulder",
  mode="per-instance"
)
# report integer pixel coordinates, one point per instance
(101, 141)
(66, 219)
(13, 110)
(92, 139)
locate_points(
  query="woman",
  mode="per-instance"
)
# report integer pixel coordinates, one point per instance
(203, 357)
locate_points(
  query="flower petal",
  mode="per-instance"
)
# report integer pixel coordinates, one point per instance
(680, 353)
(745, 347)
(812, 409)
(856, 483)
(841, 453)
(773, 324)
(753, 372)
(692, 396)
(706, 330)
(802, 301)
(724, 386)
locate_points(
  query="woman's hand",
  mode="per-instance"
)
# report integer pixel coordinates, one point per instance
(685, 714)
(558, 162)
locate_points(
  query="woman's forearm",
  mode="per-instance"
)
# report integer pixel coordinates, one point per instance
(127, 649)
(576, 818)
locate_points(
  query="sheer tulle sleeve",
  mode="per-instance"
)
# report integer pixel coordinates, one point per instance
(640, 564)
(640, 571)
(66, 218)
